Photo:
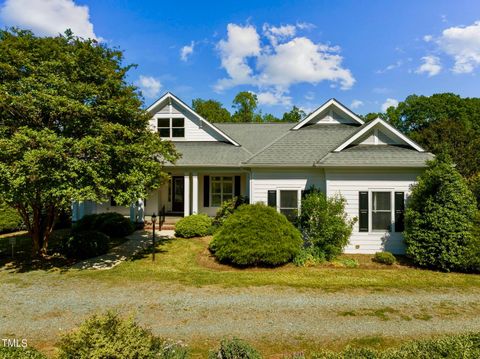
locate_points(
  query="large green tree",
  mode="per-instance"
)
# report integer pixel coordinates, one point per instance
(71, 129)
(443, 123)
(245, 104)
(294, 115)
(211, 110)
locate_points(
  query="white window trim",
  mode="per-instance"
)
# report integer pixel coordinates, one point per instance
(221, 187)
(392, 209)
(299, 199)
(170, 117)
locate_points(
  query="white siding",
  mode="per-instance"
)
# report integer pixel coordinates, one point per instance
(330, 116)
(195, 130)
(349, 183)
(264, 180)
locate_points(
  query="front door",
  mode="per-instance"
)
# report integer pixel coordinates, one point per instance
(177, 193)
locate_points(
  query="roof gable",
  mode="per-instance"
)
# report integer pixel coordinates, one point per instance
(378, 132)
(159, 106)
(331, 112)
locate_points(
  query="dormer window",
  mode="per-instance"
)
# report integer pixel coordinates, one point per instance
(171, 127)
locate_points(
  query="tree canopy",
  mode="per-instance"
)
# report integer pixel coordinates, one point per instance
(71, 129)
(211, 110)
(442, 123)
(245, 104)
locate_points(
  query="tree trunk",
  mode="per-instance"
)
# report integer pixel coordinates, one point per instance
(36, 232)
(49, 224)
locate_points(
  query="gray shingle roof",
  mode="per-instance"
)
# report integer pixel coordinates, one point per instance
(376, 155)
(210, 153)
(254, 136)
(278, 145)
(303, 147)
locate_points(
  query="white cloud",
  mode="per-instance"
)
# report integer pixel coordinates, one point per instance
(284, 59)
(390, 67)
(186, 51)
(463, 44)
(431, 66)
(48, 17)
(388, 103)
(305, 26)
(241, 43)
(274, 98)
(309, 96)
(428, 38)
(149, 86)
(356, 104)
(274, 34)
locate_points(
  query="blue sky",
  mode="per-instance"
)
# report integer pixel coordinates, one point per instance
(364, 53)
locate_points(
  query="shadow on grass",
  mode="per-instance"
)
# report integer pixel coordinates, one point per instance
(147, 251)
(22, 260)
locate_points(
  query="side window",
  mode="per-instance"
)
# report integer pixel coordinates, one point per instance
(381, 211)
(289, 203)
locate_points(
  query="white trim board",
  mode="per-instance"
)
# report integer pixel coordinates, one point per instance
(378, 121)
(332, 102)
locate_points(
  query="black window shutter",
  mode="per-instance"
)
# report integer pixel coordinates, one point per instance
(237, 186)
(272, 198)
(206, 191)
(399, 211)
(363, 212)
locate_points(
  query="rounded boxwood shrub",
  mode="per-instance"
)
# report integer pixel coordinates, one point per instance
(439, 219)
(384, 258)
(227, 208)
(86, 244)
(109, 336)
(112, 224)
(196, 225)
(235, 349)
(256, 235)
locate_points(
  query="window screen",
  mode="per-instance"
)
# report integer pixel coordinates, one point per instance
(289, 203)
(381, 211)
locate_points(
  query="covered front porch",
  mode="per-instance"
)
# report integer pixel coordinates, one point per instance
(192, 192)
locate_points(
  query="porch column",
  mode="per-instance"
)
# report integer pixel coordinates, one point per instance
(194, 193)
(186, 195)
(75, 211)
(140, 211)
(137, 212)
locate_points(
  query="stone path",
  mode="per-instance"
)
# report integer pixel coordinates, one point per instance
(137, 242)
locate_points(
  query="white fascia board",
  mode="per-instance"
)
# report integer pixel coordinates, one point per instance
(186, 107)
(330, 102)
(379, 121)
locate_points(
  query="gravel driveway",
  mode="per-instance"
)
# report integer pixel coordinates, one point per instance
(40, 312)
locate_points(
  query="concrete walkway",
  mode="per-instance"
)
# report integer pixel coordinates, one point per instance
(137, 242)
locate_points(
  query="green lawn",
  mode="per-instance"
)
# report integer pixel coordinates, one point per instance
(188, 262)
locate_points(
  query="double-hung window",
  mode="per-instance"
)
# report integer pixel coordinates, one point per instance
(171, 127)
(222, 190)
(289, 203)
(381, 211)
(285, 201)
